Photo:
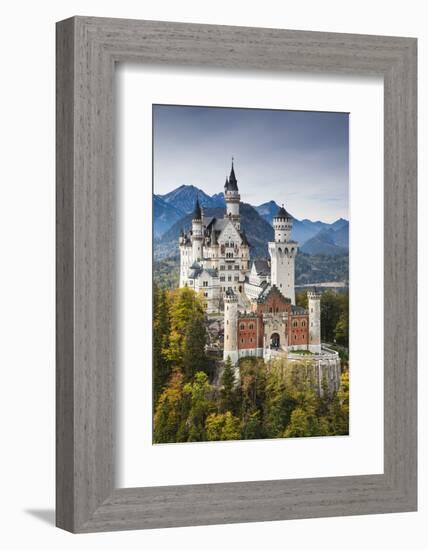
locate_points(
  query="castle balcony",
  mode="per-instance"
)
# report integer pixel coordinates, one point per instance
(325, 355)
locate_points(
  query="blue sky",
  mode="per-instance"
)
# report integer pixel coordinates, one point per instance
(293, 157)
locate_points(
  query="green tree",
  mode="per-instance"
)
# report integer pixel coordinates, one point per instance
(341, 331)
(227, 392)
(185, 309)
(199, 392)
(252, 426)
(222, 427)
(194, 355)
(302, 299)
(168, 412)
(299, 424)
(330, 313)
(340, 407)
(161, 329)
(279, 401)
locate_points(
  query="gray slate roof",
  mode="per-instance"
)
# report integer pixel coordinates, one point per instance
(262, 267)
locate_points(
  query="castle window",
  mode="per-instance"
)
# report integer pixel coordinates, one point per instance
(236, 266)
(222, 268)
(229, 267)
(222, 278)
(242, 327)
(251, 326)
(205, 283)
(229, 278)
(242, 340)
(206, 294)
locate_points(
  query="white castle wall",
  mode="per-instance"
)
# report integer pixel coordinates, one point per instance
(314, 306)
(197, 239)
(326, 368)
(231, 329)
(282, 267)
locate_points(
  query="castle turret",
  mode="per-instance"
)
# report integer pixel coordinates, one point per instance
(230, 326)
(232, 198)
(283, 253)
(197, 233)
(282, 224)
(186, 257)
(314, 306)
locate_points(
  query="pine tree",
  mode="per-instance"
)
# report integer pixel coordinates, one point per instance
(252, 427)
(227, 392)
(194, 355)
(168, 413)
(222, 427)
(186, 314)
(201, 405)
(161, 329)
(342, 328)
(299, 424)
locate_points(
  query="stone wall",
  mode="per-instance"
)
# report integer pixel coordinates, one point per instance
(326, 365)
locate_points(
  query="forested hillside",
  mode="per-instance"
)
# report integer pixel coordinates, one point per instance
(269, 401)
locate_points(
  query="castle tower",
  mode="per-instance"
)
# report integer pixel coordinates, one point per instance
(186, 259)
(283, 253)
(197, 233)
(314, 306)
(230, 326)
(232, 198)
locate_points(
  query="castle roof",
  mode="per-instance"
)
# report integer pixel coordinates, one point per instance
(267, 291)
(197, 213)
(230, 294)
(231, 183)
(262, 267)
(298, 310)
(196, 271)
(282, 213)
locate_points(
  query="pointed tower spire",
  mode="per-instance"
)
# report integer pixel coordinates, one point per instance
(197, 214)
(233, 182)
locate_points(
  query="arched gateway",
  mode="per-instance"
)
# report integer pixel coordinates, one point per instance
(274, 341)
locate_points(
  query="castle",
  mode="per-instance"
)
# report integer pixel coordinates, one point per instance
(261, 318)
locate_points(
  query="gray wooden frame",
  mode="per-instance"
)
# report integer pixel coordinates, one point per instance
(87, 50)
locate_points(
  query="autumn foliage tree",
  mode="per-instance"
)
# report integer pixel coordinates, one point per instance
(267, 400)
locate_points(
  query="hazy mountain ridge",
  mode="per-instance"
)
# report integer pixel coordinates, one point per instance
(164, 215)
(330, 241)
(172, 212)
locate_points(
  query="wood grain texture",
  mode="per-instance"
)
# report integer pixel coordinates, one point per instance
(87, 49)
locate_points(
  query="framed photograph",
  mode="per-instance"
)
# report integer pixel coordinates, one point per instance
(236, 274)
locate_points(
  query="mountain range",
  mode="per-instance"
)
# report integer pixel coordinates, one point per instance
(173, 212)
